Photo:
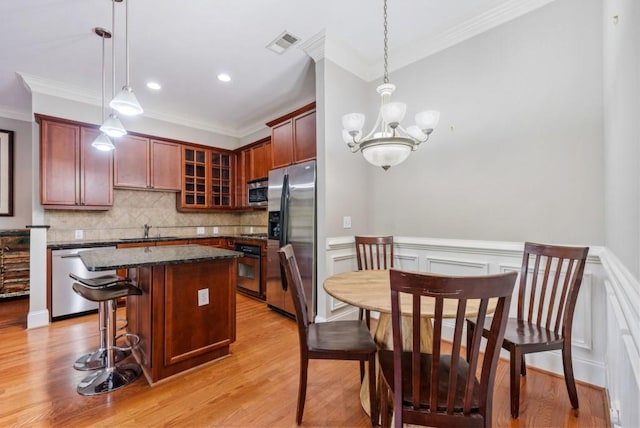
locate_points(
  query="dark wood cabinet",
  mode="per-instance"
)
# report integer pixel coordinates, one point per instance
(73, 174)
(253, 162)
(149, 164)
(293, 137)
(207, 179)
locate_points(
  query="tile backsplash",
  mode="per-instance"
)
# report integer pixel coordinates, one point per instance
(132, 209)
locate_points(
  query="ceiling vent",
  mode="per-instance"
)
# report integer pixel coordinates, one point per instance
(283, 42)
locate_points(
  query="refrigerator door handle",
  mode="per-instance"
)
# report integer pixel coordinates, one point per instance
(284, 223)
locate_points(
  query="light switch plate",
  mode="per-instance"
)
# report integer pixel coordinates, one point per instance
(200, 230)
(79, 234)
(346, 222)
(215, 229)
(203, 297)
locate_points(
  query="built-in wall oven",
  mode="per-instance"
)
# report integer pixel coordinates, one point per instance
(249, 269)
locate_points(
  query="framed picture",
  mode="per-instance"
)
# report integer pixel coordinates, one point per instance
(6, 173)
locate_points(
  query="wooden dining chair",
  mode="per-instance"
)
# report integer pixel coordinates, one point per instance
(547, 297)
(373, 253)
(441, 388)
(334, 340)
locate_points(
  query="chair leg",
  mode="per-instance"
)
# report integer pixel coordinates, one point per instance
(568, 374)
(302, 388)
(361, 370)
(373, 396)
(515, 361)
(384, 402)
(523, 367)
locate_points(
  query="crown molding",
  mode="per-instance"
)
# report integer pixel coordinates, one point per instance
(40, 85)
(419, 49)
(10, 113)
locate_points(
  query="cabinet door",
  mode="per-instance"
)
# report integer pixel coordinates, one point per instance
(196, 177)
(282, 144)
(96, 173)
(131, 167)
(165, 165)
(222, 180)
(59, 163)
(259, 167)
(304, 128)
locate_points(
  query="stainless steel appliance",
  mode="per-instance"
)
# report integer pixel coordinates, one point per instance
(257, 192)
(292, 220)
(65, 303)
(248, 279)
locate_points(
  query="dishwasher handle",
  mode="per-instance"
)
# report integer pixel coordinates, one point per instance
(70, 256)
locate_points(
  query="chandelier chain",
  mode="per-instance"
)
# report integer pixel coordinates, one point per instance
(386, 41)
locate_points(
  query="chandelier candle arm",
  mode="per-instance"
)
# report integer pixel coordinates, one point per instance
(388, 143)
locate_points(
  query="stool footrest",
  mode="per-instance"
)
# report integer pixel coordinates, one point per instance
(98, 359)
(128, 336)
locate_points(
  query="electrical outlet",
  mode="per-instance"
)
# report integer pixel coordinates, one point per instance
(203, 297)
(200, 230)
(79, 234)
(346, 222)
(215, 229)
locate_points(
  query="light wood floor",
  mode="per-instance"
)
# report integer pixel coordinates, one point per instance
(255, 387)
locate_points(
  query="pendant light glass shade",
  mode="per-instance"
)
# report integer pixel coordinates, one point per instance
(102, 142)
(113, 127)
(126, 102)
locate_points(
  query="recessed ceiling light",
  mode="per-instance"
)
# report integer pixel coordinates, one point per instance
(154, 85)
(224, 77)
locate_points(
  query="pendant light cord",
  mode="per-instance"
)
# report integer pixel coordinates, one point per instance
(386, 41)
(113, 49)
(103, 83)
(126, 38)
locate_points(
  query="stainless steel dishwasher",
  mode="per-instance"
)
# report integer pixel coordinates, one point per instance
(65, 303)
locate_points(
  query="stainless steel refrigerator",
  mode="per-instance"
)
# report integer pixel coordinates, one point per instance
(292, 220)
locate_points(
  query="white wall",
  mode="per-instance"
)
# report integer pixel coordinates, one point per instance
(21, 174)
(518, 153)
(621, 61)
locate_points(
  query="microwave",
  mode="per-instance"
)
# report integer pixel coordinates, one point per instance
(257, 192)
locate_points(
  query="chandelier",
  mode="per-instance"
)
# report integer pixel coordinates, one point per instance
(388, 143)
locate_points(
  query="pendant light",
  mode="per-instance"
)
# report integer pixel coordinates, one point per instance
(126, 102)
(112, 126)
(102, 141)
(388, 143)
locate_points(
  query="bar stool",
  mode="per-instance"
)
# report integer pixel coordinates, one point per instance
(112, 376)
(98, 359)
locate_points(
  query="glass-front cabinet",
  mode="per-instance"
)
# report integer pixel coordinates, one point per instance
(207, 181)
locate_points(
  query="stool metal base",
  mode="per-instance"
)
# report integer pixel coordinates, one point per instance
(98, 359)
(108, 380)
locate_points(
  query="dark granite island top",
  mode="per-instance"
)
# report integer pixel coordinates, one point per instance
(186, 314)
(125, 258)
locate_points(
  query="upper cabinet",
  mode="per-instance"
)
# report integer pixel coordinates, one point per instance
(146, 163)
(253, 162)
(293, 137)
(207, 179)
(73, 174)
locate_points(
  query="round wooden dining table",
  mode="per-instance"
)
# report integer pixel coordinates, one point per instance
(370, 289)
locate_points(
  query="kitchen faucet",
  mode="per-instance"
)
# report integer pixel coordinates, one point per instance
(146, 231)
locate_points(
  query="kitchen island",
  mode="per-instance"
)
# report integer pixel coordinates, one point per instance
(186, 314)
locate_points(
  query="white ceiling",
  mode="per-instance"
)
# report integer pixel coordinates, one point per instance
(184, 44)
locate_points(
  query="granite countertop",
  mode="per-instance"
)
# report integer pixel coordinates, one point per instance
(109, 259)
(59, 245)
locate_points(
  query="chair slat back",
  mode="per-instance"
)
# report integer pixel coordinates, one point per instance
(290, 266)
(549, 289)
(374, 252)
(459, 392)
